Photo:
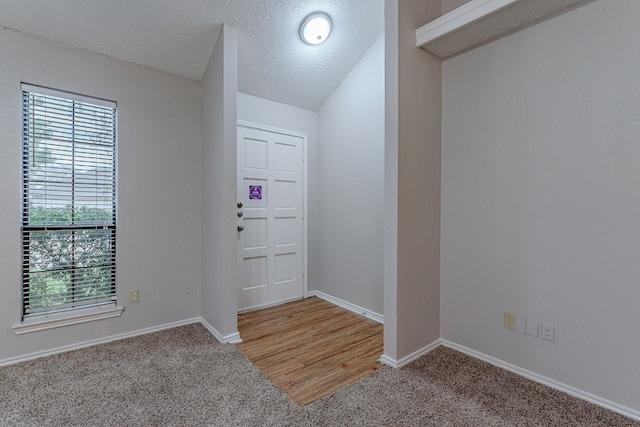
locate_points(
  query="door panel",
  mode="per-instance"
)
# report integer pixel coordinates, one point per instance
(270, 245)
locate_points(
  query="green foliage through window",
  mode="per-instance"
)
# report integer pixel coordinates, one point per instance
(68, 219)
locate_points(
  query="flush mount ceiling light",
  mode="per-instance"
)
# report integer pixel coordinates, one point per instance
(315, 28)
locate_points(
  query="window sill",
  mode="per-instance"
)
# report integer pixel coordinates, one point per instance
(73, 317)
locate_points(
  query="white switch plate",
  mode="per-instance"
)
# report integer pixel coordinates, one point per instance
(531, 327)
(548, 332)
(188, 288)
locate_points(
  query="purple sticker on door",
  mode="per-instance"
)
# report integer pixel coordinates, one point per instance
(255, 192)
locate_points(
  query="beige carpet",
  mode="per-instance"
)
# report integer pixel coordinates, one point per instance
(183, 377)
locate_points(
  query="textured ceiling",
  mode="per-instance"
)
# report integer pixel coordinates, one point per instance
(178, 37)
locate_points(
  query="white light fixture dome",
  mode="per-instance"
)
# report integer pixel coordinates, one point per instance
(315, 28)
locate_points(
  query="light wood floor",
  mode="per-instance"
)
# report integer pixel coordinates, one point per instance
(310, 348)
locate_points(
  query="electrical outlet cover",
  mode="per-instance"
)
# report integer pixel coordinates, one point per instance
(134, 296)
(509, 320)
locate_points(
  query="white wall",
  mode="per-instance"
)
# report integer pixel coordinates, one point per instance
(412, 183)
(277, 115)
(281, 116)
(219, 233)
(541, 198)
(158, 187)
(351, 186)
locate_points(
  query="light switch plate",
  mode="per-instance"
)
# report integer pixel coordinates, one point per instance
(548, 332)
(531, 327)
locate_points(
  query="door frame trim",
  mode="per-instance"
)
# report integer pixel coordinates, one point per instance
(305, 189)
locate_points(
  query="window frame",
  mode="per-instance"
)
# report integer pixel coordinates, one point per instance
(81, 232)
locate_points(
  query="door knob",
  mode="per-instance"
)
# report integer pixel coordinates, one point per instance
(239, 214)
(239, 205)
(240, 227)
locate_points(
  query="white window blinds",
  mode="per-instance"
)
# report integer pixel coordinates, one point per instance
(69, 201)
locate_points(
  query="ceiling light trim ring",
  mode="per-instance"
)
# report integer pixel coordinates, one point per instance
(316, 28)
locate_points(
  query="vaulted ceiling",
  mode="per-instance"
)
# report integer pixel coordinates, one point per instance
(178, 37)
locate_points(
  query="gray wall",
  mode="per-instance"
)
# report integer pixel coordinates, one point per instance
(540, 198)
(158, 187)
(350, 186)
(412, 182)
(449, 5)
(219, 234)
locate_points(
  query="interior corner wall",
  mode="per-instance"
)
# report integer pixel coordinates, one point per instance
(350, 186)
(390, 230)
(541, 200)
(449, 5)
(281, 116)
(412, 165)
(219, 234)
(158, 172)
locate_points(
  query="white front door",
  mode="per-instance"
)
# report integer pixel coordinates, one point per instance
(270, 218)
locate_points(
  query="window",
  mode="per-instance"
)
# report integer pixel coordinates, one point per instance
(68, 201)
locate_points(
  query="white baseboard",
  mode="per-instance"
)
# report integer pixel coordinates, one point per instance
(229, 339)
(64, 349)
(389, 361)
(580, 394)
(271, 304)
(347, 305)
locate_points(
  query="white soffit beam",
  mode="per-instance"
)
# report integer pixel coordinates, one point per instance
(481, 21)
